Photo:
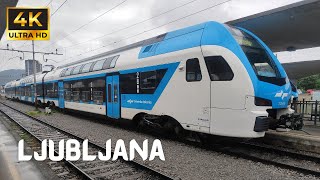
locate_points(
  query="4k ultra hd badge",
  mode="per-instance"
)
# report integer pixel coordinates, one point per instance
(28, 23)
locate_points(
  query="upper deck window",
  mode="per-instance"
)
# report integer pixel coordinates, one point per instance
(98, 65)
(86, 68)
(76, 70)
(260, 60)
(68, 71)
(110, 62)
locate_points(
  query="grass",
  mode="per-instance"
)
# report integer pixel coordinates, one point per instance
(34, 113)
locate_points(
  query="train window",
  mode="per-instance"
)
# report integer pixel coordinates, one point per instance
(260, 60)
(114, 61)
(63, 72)
(77, 87)
(55, 88)
(18, 91)
(98, 91)
(28, 91)
(110, 62)
(39, 90)
(109, 93)
(193, 71)
(129, 83)
(115, 93)
(218, 68)
(76, 70)
(106, 64)
(150, 80)
(23, 92)
(49, 92)
(68, 72)
(67, 91)
(86, 68)
(98, 65)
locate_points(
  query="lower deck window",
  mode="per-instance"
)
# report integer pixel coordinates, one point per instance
(76, 96)
(85, 96)
(141, 82)
(85, 91)
(97, 95)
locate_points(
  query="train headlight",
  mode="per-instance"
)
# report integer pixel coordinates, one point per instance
(262, 102)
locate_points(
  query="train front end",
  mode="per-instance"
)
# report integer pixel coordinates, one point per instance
(272, 88)
(258, 95)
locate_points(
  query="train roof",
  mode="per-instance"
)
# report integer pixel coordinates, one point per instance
(123, 57)
(25, 80)
(149, 45)
(208, 33)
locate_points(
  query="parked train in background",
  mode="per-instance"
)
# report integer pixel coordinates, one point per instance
(210, 78)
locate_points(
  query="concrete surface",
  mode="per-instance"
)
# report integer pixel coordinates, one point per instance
(306, 140)
(10, 167)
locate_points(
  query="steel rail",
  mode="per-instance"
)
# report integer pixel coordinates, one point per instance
(242, 150)
(134, 163)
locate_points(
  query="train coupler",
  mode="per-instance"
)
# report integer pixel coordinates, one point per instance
(291, 121)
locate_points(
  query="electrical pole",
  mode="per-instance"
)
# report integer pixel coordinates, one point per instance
(34, 77)
(34, 66)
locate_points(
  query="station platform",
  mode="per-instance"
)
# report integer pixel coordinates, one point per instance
(10, 167)
(307, 140)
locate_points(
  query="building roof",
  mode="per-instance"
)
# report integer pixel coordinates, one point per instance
(297, 70)
(291, 27)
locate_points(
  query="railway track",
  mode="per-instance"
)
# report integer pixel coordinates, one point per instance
(288, 159)
(97, 169)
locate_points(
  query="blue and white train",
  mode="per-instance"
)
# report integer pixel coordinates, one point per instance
(209, 78)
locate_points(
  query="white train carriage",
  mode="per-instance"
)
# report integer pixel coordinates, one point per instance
(208, 78)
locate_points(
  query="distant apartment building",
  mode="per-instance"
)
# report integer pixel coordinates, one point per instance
(29, 67)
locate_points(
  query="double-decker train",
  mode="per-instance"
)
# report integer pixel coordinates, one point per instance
(210, 78)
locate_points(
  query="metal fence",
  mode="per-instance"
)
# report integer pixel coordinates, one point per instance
(310, 110)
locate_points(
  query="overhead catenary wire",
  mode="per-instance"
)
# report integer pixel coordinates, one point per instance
(58, 8)
(192, 14)
(84, 25)
(49, 3)
(135, 24)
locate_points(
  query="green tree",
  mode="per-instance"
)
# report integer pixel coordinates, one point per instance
(311, 82)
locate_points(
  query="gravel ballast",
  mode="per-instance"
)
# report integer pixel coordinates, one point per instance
(182, 160)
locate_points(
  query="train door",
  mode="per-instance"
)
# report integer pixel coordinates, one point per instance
(113, 101)
(61, 94)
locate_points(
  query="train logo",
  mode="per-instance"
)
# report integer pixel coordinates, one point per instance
(281, 95)
(28, 23)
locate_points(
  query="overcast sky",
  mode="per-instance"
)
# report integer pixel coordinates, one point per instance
(76, 40)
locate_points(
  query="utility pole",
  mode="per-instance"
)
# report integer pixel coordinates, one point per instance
(34, 66)
(34, 77)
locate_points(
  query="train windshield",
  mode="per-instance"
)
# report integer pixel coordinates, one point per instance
(260, 60)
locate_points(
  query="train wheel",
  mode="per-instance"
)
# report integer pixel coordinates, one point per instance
(138, 122)
(179, 131)
(39, 104)
(52, 105)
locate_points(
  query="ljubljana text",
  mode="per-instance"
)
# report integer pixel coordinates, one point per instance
(73, 151)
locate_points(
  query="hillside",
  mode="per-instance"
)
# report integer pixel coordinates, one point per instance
(9, 75)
